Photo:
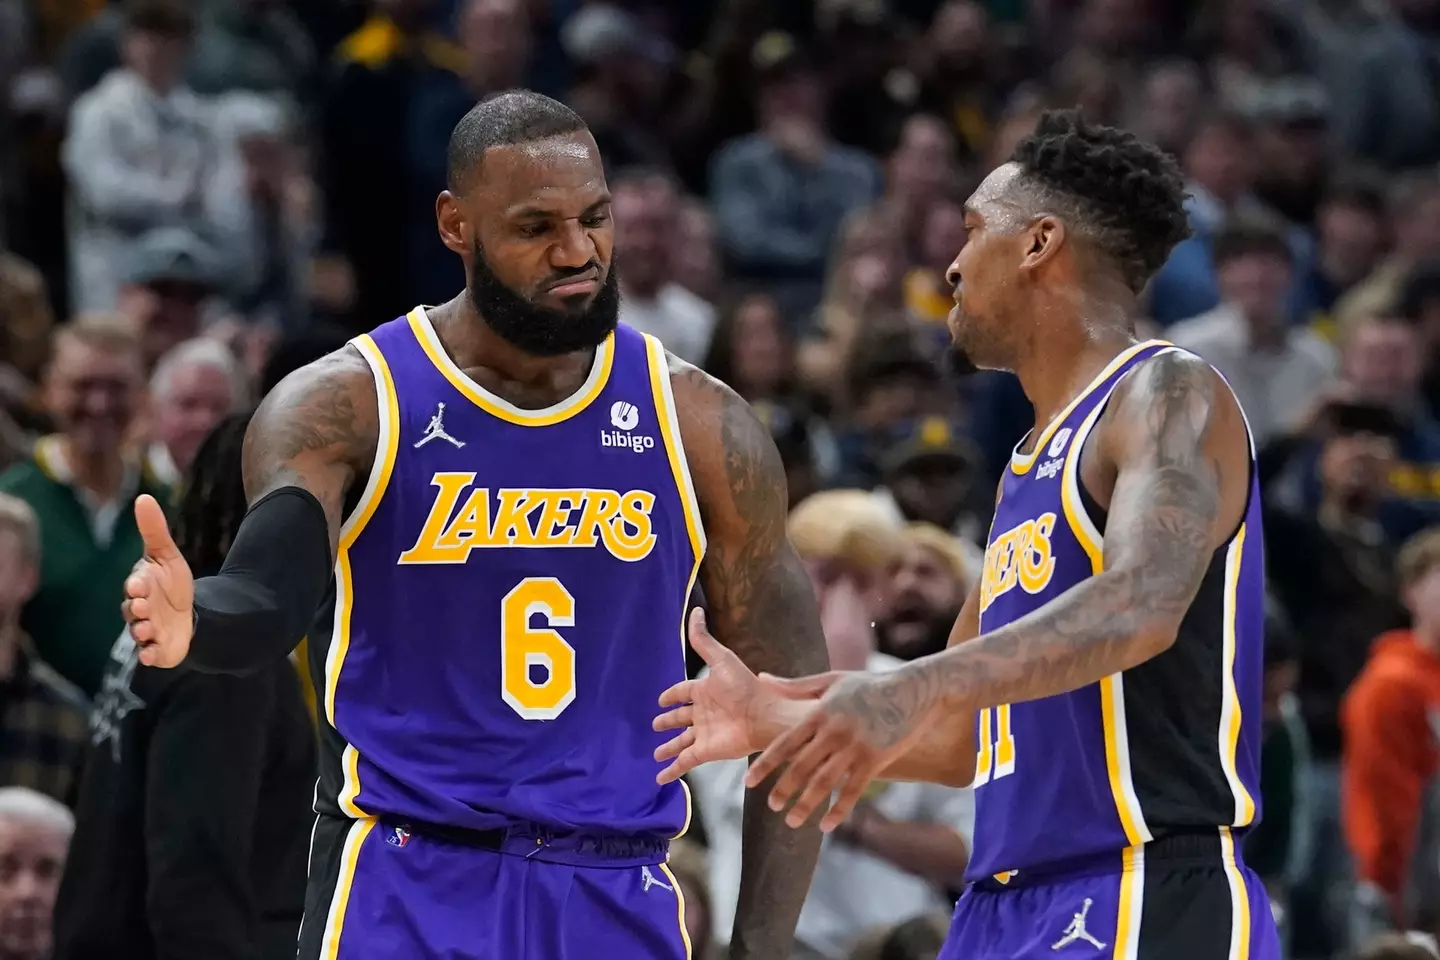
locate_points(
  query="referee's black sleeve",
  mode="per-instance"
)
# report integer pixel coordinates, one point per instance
(205, 764)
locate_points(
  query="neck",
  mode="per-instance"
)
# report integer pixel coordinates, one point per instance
(99, 473)
(477, 349)
(9, 643)
(1069, 358)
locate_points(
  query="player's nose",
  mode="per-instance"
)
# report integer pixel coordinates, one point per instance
(574, 248)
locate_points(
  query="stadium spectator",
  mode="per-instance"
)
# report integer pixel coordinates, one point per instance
(646, 208)
(43, 726)
(1391, 746)
(1276, 370)
(140, 153)
(194, 820)
(193, 388)
(168, 279)
(80, 482)
(35, 833)
(928, 584)
(930, 472)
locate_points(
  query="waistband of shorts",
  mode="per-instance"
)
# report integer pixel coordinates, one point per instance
(537, 842)
(1176, 849)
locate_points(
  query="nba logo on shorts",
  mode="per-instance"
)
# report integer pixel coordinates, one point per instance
(398, 837)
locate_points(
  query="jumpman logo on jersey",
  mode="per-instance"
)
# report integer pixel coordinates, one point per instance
(1076, 931)
(436, 431)
(650, 880)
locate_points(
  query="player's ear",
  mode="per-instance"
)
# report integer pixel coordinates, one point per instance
(450, 220)
(1042, 240)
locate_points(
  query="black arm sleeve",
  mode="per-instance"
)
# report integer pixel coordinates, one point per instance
(264, 599)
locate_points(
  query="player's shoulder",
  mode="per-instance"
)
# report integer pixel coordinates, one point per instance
(335, 395)
(1175, 384)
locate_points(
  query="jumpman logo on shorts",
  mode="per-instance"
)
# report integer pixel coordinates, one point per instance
(436, 431)
(650, 880)
(1077, 932)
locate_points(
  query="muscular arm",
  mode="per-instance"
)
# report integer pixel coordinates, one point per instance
(1175, 441)
(311, 438)
(761, 606)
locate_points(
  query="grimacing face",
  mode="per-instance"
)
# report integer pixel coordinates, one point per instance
(992, 272)
(535, 232)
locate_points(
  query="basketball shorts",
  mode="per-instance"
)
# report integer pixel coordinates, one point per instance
(1180, 898)
(382, 890)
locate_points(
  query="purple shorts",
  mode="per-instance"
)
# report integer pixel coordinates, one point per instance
(382, 891)
(1177, 899)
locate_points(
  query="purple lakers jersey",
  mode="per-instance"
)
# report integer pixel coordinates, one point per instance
(1171, 745)
(510, 591)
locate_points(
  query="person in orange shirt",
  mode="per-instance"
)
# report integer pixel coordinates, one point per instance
(1389, 721)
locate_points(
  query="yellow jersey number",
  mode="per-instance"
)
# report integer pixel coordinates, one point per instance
(523, 646)
(996, 756)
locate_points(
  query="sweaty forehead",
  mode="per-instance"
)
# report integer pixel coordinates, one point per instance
(996, 194)
(554, 173)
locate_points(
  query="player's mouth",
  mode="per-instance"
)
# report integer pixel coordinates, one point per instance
(582, 285)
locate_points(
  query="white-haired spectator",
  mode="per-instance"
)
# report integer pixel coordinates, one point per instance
(35, 835)
(193, 388)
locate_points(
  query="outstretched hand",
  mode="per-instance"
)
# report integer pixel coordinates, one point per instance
(159, 593)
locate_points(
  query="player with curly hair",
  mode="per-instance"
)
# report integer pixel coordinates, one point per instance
(1102, 686)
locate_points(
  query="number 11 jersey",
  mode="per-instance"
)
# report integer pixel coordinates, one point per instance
(510, 591)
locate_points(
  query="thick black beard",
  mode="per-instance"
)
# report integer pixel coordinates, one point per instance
(542, 331)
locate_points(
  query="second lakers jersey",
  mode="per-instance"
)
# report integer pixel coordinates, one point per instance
(1171, 745)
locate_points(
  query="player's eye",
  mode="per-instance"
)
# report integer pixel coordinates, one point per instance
(594, 221)
(533, 229)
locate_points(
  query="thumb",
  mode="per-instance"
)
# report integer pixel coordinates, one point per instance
(154, 530)
(701, 641)
(801, 688)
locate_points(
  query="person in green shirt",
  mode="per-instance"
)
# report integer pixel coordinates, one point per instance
(80, 483)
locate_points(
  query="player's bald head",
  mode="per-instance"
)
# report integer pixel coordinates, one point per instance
(516, 117)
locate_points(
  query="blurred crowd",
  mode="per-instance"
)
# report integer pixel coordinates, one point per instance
(198, 196)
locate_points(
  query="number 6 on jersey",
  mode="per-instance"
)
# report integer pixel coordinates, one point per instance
(523, 646)
(996, 756)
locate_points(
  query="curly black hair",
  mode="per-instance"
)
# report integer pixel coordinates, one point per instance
(1124, 195)
(211, 500)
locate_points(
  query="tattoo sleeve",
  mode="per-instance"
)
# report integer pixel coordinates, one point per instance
(762, 606)
(318, 430)
(1166, 434)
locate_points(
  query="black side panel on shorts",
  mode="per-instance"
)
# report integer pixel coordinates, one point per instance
(331, 744)
(1186, 913)
(325, 855)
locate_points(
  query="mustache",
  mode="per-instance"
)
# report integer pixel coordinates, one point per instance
(565, 276)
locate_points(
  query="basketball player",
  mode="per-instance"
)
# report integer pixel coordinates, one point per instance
(512, 495)
(1101, 688)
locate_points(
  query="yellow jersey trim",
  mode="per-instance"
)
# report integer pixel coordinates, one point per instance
(386, 448)
(1132, 903)
(1230, 713)
(663, 393)
(349, 861)
(1020, 463)
(1239, 899)
(679, 909)
(498, 406)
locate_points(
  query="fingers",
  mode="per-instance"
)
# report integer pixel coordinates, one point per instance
(818, 791)
(142, 632)
(688, 760)
(137, 585)
(802, 688)
(150, 520)
(850, 795)
(674, 719)
(804, 767)
(781, 749)
(136, 610)
(674, 747)
(678, 694)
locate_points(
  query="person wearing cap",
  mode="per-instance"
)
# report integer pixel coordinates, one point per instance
(929, 473)
(140, 152)
(908, 842)
(169, 277)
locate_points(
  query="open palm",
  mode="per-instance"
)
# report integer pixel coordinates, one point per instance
(714, 713)
(159, 593)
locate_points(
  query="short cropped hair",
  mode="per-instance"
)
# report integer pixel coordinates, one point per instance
(33, 807)
(1126, 197)
(518, 116)
(19, 518)
(201, 352)
(1250, 235)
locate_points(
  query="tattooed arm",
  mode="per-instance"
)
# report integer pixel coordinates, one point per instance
(763, 608)
(1174, 442)
(308, 442)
